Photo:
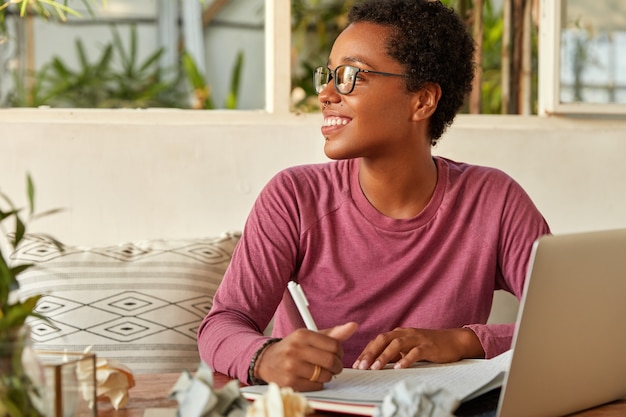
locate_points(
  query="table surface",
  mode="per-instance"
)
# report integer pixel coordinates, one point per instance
(151, 391)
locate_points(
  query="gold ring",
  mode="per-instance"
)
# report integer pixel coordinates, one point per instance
(316, 373)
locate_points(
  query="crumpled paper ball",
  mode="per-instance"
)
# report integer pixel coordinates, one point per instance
(279, 402)
(113, 380)
(197, 398)
(420, 400)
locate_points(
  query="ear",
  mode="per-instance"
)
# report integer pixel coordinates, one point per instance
(426, 101)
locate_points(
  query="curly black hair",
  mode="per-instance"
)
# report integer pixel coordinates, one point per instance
(433, 43)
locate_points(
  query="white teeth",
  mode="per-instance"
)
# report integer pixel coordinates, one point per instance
(335, 121)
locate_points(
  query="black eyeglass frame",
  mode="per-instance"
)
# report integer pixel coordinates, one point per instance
(332, 74)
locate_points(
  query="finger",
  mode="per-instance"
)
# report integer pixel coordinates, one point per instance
(374, 349)
(316, 349)
(392, 352)
(385, 348)
(292, 362)
(342, 332)
(317, 340)
(330, 364)
(314, 379)
(365, 359)
(409, 358)
(299, 372)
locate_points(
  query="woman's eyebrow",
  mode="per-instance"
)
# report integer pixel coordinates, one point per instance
(352, 60)
(357, 60)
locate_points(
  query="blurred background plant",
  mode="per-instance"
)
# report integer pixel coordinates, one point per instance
(46, 9)
(98, 84)
(202, 98)
(136, 84)
(21, 386)
(117, 78)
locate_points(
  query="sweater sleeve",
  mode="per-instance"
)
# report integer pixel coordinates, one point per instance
(254, 284)
(521, 224)
(495, 338)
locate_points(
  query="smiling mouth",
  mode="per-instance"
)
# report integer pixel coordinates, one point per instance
(335, 121)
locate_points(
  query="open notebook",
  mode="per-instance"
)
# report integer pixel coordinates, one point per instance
(569, 349)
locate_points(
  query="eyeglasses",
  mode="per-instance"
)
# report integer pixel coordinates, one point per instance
(345, 77)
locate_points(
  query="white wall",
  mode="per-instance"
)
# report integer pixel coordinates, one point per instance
(132, 174)
(144, 174)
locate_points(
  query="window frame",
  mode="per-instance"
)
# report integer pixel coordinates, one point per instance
(550, 23)
(277, 56)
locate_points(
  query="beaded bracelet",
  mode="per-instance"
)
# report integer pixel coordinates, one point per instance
(253, 380)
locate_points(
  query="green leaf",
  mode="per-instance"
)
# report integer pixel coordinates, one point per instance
(119, 47)
(7, 200)
(61, 69)
(7, 214)
(152, 60)
(14, 313)
(17, 314)
(197, 81)
(61, 9)
(6, 277)
(31, 302)
(133, 48)
(191, 69)
(82, 55)
(20, 231)
(23, 8)
(105, 60)
(231, 99)
(18, 269)
(47, 213)
(30, 191)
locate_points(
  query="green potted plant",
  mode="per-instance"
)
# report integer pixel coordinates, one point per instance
(21, 385)
(44, 8)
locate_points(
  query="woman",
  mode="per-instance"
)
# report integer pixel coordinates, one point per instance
(399, 252)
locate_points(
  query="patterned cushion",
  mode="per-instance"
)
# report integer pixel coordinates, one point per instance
(140, 303)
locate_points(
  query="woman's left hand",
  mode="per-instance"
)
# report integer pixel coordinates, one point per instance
(404, 346)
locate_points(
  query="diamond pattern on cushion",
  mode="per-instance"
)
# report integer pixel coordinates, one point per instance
(138, 302)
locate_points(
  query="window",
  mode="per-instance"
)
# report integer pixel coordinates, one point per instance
(259, 29)
(582, 46)
(582, 57)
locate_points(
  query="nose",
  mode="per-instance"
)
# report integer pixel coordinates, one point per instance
(329, 94)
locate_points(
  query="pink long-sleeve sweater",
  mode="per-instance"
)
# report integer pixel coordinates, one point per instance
(312, 224)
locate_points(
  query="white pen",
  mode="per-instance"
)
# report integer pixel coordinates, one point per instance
(302, 304)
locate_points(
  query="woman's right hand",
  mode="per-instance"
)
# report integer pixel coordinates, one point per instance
(295, 360)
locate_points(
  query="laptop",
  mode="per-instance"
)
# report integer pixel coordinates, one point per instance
(569, 349)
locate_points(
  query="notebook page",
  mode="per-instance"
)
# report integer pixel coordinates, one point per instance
(465, 380)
